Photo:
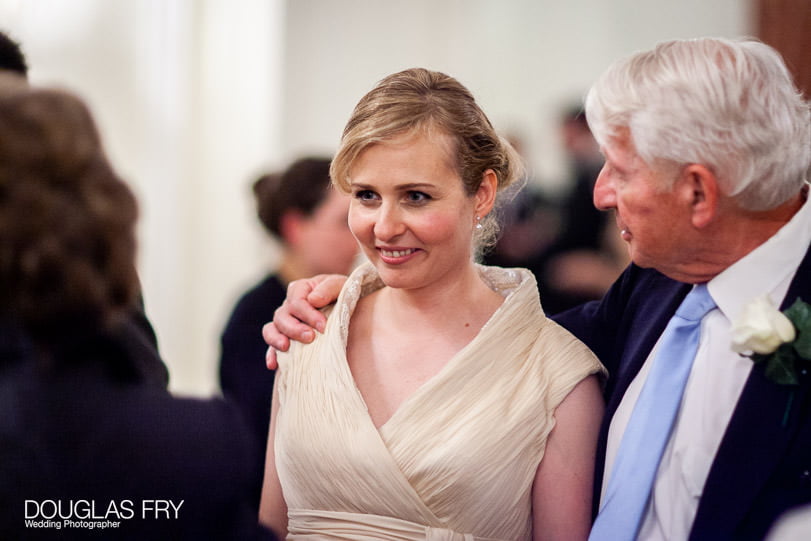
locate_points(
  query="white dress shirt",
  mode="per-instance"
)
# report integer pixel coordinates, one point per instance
(714, 385)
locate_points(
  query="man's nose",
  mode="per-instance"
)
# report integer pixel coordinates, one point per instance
(604, 196)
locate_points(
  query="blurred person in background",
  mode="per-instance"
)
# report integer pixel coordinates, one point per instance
(82, 424)
(300, 209)
(570, 246)
(588, 255)
(530, 224)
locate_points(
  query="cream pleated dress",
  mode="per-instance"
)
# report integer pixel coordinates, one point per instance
(457, 460)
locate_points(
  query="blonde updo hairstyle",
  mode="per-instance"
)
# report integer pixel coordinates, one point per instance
(420, 100)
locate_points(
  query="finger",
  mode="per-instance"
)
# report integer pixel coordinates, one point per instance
(298, 318)
(296, 310)
(299, 289)
(287, 326)
(280, 340)
(327, 290)
(270, 359)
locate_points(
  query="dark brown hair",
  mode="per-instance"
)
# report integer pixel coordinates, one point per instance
(67, 246)
(302, 187)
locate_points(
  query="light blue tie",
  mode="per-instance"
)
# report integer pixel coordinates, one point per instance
(648, 430)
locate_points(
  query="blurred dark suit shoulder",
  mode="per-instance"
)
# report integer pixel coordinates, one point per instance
(88, 427)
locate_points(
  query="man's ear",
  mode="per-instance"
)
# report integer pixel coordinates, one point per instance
(702, 193)
(486, 194)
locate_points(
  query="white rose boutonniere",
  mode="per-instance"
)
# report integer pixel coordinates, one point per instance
(761, 328)
(780, 339)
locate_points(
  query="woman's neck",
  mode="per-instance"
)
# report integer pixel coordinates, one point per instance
(438, 304)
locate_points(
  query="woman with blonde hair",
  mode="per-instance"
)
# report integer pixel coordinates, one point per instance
(440, 402)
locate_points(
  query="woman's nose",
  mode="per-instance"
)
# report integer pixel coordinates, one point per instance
(388, 223)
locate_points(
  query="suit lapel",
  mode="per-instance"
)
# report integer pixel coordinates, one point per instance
(646, 317)
(643, 331)
(755, 439)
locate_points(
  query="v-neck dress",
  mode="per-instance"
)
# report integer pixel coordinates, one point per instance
(457, 459)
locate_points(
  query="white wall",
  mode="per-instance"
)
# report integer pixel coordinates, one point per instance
(523, 59)
(195, 97)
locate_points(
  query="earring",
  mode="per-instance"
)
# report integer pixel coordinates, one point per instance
(478, 222)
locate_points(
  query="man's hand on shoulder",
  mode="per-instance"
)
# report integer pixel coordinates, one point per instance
(299, 317)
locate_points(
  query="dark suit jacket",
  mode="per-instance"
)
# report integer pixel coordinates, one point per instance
(763, 466)
(83, 425)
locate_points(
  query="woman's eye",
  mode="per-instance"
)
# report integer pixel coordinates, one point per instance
(417, 197)
(365, 195)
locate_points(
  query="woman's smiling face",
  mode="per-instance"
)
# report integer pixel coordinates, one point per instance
(409, 210)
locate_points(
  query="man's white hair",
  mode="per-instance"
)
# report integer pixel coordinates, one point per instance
(730, 105)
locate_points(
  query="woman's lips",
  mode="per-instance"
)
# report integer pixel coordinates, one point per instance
(395, 256)
(397, 253)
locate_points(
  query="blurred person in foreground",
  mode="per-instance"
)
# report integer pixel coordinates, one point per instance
(307, 216)
(708, 146)
(417, 414)
(137, 331)
(88, 441)
(11, 56)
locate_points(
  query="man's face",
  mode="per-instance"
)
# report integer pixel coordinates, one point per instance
(649, 215)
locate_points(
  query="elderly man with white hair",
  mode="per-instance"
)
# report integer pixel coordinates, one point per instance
(707, 145)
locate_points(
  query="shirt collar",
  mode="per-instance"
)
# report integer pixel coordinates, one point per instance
(766, 270)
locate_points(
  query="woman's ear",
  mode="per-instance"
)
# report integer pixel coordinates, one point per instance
(702, 193)
(486, 194)
(290, 226)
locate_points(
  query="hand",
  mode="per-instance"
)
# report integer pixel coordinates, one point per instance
(298, 315)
